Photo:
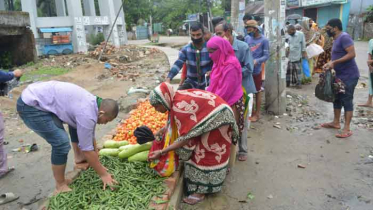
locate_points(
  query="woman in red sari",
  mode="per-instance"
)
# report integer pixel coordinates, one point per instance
(206, 129)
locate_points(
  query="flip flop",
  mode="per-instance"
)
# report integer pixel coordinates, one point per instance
(7, 197)
(10, 169)
(242, 157)
(196, 200)
(344, 135)
(254, 120)
(364, 105)
(327, 125)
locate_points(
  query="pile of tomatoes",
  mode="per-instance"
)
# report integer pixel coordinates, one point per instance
(145, 114)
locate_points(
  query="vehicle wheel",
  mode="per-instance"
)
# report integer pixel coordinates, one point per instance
(52, 52)
(67, 51)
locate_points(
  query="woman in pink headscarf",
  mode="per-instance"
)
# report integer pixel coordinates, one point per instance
(226, 76)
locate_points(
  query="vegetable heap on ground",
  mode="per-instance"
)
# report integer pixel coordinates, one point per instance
(137, 185)
(135, 152)
(145, 114)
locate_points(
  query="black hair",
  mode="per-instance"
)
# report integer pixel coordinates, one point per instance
(335, 22)
(216, 20)
(196, 26)
(257, 18)
(247, 17)
(291, 27)
(240, 37)
(110, 107)
(185, 86)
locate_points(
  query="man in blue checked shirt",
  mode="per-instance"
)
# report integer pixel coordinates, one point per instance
(197, 59)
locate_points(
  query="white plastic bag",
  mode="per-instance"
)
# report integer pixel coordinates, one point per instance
(314, 50)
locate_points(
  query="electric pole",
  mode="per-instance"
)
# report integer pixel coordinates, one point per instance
(275, 69)
(210, 15)
(234, 13)
(241, 24)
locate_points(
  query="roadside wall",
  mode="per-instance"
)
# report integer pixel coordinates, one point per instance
(20, 46)
(368, 30)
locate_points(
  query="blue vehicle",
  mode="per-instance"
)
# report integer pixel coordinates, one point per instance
(59, 43)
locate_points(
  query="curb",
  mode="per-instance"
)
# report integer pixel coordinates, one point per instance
(175, 199)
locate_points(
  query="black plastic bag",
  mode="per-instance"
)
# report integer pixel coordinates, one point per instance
(143, 134)
(324, 89)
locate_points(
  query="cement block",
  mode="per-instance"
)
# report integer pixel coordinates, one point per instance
(177, 195)
(14, 19)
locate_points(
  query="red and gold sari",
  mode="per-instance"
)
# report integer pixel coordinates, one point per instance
(207, 122)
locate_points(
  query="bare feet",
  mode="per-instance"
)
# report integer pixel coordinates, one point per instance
(68, 181)
(254, 118)
(369, 105)
(82, 166)
(331, 125)
(194, 199)
(61, 189)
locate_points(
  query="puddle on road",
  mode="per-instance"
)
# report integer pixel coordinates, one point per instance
(358, 203)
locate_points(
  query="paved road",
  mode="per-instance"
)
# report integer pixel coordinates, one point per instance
(165, 44)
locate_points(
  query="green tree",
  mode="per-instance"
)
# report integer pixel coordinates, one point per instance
(46, 8)
(13, 5)
(135, 10)
(369, 15)
(172, 13)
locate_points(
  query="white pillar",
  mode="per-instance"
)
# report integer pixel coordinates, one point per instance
(74, 8)
(121, 29)
(60, 7)
(107, 8)
(2, 5)
(89, 7)
(30, 7)
(89, 10)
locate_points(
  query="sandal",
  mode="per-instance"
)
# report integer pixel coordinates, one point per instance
(194, 199)
(10, 169)
(7, 197)
(254, 119)
(344, 135)
(365, 105)
(242, 157)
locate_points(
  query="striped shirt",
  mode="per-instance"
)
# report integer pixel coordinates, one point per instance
(188, 55)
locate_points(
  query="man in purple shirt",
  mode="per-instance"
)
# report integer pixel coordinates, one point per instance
(343, 62)
(4, 169)
(44, 106)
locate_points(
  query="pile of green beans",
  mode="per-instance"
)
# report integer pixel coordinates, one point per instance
(137, 186)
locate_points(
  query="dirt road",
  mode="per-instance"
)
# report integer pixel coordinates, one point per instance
(32, 180)
(338, 173)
